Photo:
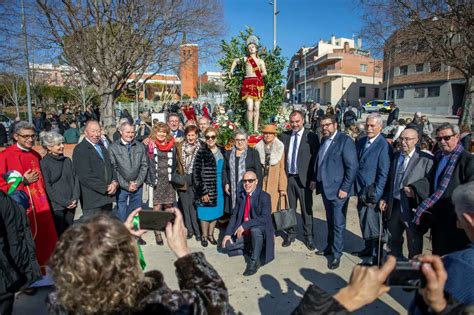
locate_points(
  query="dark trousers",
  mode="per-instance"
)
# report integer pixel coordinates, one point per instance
(298, 191)
(186, 199)
(253, 244)
(6, 303)
(446, 237)
(87, 213)
(336, 211)
(400, 221)
(63, 219)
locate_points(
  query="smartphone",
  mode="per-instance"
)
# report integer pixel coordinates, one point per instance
(154, 220)
(407, 275)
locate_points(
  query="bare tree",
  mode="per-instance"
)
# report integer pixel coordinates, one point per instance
(440, 30)
(14, 87)
(108, 41)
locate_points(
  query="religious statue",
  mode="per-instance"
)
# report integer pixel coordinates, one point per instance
(252, 85)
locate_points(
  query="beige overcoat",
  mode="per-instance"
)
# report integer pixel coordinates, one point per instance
(276, 180)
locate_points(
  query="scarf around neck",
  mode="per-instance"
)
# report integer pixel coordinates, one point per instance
(240, 174)
(453, 157)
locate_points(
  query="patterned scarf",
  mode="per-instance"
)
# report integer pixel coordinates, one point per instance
(431, 200)
(188, 155)
(240, 174)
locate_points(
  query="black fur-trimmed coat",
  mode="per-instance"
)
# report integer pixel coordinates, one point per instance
(205, 175)
(202, 291)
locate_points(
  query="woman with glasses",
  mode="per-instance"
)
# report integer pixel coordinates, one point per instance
(239, 160)
(61, 182)
(162, 165)
(186, 152)
(207, 176)
(272, 158)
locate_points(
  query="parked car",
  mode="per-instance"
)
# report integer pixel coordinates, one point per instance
(381, 106)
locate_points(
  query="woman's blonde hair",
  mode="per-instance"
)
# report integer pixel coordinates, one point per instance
(161, 126)
(95, 267)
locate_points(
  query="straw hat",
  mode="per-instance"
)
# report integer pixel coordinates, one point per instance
(269, 129)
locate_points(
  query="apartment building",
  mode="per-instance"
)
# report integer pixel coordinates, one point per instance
(416, 83)
(334, 70)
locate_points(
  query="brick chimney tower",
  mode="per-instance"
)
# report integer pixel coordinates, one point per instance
(188, 69)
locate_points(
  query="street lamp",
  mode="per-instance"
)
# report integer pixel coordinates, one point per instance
(304, 56)
(295, 64)
(275, 12)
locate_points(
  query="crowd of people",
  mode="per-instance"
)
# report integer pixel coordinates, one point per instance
(401, 187)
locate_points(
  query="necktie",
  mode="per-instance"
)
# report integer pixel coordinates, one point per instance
(293, 154)
(321, 156)
(247, 212)
(399, 176)
(99, 151)
(441, 166)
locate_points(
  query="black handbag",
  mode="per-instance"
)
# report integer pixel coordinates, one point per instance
(284, 218)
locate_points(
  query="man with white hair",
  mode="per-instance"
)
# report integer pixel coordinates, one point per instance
(129, 160)
(460, 264)
(374, 164)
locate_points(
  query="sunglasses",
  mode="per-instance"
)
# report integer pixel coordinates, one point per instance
(249, 180)
(445, 138)
(210, 137)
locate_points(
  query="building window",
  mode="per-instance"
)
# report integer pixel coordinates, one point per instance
(400, 93)
(376, 93)
(404, 70)
(362, 91)
(419, 92)
(363, 68)
(433, 91)
(419, 67)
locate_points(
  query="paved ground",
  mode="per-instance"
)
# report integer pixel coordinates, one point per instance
(277, 287)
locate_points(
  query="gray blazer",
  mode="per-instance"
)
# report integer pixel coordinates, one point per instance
(418, 167)
(134, 169)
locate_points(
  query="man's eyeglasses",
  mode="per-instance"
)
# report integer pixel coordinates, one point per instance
(240, 140)
(32, 137)
(251, 180)
(406, 139)
(210, 137)
(445, 138)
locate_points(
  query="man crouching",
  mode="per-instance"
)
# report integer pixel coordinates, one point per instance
(250, 226)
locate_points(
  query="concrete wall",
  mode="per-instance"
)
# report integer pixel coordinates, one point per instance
(440, 105)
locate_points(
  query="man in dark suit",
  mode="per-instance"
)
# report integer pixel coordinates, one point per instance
(94, 169)
(301, 146)
(374, 164)
(335, 170)
(173, 122)
(446, 237)
(393, 115)
(252, 220)
(408, 166)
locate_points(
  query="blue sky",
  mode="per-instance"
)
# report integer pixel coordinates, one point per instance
(299, 23)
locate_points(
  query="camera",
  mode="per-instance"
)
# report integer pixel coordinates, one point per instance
(407, 275)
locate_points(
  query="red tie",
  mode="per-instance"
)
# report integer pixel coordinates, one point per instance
(247, 212)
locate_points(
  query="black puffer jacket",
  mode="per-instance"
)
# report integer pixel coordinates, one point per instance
(18, 264)
(202, 291)
(205, 175)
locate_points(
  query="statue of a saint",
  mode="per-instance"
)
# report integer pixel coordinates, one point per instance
(252, 85)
